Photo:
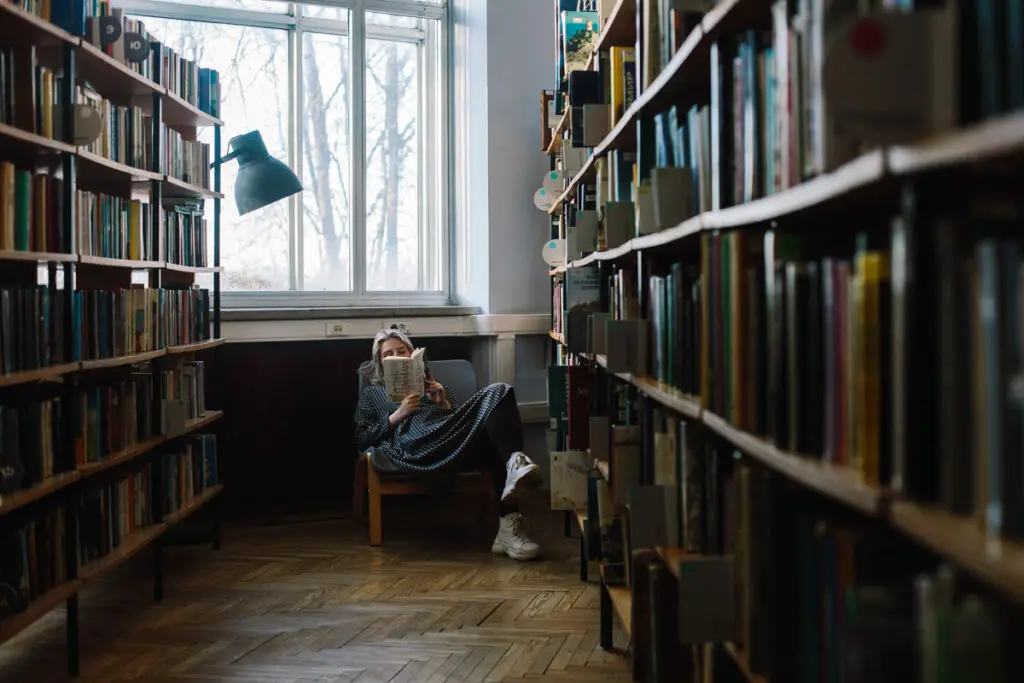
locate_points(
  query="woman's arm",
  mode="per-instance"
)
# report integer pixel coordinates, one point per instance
(372, 418)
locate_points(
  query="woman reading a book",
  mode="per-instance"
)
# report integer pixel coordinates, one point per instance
(436, 433)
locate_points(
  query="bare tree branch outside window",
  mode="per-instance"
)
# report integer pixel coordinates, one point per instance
(253, 65)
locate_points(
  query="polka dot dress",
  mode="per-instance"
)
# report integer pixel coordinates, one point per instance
(431, 440)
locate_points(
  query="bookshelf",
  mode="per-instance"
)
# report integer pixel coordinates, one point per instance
(109, 306)
(793, 362)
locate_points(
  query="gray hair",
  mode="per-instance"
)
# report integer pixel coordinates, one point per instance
(377, 372)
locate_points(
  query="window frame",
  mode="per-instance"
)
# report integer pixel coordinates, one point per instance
(434, 181)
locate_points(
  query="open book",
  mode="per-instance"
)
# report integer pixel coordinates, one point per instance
(403, 376)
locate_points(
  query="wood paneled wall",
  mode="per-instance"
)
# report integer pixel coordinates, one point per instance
(286, 441)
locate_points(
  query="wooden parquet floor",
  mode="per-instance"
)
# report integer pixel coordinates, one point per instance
(311, 601)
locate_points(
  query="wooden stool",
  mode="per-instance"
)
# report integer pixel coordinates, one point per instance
(368, 479)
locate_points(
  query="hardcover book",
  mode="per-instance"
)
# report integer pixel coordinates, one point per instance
(404, 376)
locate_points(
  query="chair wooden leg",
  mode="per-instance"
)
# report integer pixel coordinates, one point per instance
(376, 531)
(359, 484)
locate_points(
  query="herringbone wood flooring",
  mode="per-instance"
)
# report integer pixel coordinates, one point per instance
(313, 602)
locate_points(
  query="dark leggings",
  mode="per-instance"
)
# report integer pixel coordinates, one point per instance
(504, 436)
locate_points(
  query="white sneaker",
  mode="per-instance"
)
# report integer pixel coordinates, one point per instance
(512, 541)
(520, 472)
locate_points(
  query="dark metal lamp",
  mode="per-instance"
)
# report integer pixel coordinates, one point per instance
(261, 179)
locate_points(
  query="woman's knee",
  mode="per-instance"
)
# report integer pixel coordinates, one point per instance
(502, 386)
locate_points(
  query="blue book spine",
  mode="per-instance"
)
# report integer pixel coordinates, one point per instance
(69, 15)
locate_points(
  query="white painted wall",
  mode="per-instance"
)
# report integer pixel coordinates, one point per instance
(503, 52)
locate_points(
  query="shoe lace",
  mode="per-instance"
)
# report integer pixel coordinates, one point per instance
(516, 529)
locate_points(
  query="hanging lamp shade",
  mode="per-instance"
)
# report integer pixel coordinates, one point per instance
(261, 179)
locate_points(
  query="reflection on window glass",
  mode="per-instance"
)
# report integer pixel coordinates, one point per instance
(326, 132)
(393, 212)
(253, 67)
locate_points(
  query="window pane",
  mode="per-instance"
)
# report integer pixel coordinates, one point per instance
(327, 236)
(323, 12)
(253, 5)
(394, 221)
(384, 19)
(253, 68)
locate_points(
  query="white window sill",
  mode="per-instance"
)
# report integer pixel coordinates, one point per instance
(237, 314)
(354, 323)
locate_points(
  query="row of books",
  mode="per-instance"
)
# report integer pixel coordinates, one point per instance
(763, 128)
(31, 219)
(114, 227)
(108, 418)
(104, 323)
(185, 236)
(187, 160)
(198, 86)
(845, 602)
(125, 133)
(119, 322)
(32, 551)
(31, 210)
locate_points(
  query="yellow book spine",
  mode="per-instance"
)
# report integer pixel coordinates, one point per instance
(872, 269)
(135, 231)
(617, 84)
(6, 205)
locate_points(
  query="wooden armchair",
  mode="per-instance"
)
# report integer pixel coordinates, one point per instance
(377, 475)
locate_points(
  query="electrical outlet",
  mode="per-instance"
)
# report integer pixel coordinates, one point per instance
(388, 324)
(334, 330)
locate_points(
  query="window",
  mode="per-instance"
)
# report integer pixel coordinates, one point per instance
(353, 96)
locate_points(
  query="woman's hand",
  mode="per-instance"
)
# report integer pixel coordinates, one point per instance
(409, 405)
(436, 393)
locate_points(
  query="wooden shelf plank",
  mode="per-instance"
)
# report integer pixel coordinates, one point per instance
(192, 269)
(48, 486)
(130, 546)
(18, 27)
(111, 262)
(117, 361)
(838, 483)
(121, 457)
(52, 373)
(861, 174)
(143, 447)
(622, 603)
(201, 422)
(665, 395)
(180, 114)
(198, 346)
(999, 562)
(99, 165)
(985, 141)
(620, 29)
(115, 81)
(40, 256)
(556, 135)
(16, 623)
(29, 143)
(191, 506)
(179, 189)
